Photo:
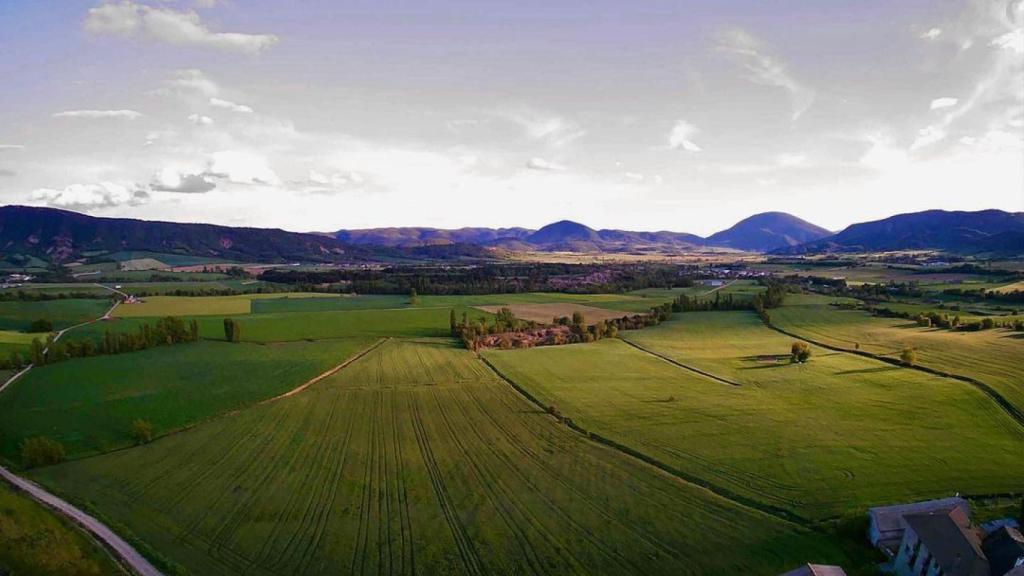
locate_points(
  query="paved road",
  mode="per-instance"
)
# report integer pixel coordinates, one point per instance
(123, 549)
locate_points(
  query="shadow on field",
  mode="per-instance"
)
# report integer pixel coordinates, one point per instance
(869, 370)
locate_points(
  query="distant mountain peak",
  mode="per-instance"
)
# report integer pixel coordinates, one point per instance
(768, 231)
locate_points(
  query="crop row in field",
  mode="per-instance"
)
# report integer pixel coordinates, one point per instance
(995, 357)
(418, 459)
(89, 404)
(821, 439)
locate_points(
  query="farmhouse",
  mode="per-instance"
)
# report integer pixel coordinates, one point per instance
(887, 526)
(940, 543)
(1005, 550)
(816, 570)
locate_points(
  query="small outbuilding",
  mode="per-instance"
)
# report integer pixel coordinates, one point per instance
(886, 522)
(816, 570)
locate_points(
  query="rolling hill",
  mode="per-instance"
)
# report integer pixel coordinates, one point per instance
(766, 232)
(961, 232)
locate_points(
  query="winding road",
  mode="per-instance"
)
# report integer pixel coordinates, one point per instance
(128, 555)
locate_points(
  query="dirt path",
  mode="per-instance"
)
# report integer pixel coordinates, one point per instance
(330, 372)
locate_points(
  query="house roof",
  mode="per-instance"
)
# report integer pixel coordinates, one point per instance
(1004, 548)
(951, 540)
(816, 570)
(889, 518)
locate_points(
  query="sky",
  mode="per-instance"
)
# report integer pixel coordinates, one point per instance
(645, 115)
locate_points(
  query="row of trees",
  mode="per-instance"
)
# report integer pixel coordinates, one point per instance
(164, 332)
(43, 451)
(232, 330)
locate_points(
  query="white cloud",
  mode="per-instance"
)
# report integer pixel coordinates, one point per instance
(762, 68)
(191, 81)
(171, 179)
(791, 160)
(184, 28)
(931, 34)
(681, 137)
(88, 196)
(542, 164)
(940, 103)
(552, 130)
(228, 105)
(1012, 41)
(11, 147)
(633, 176)
(200, 119)
(927, 136)
(243, 167)
(115, 114)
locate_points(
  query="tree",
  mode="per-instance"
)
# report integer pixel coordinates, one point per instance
(142, 431)
(799, 352)
(41, 451)
(413, 297)
(577, 318)
(35, 352)
(229, 329)
(452, 323)
(41, 325)
(15, 360)
(908, 356)
(236, 334)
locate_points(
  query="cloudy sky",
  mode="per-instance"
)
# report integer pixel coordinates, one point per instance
(677, 115)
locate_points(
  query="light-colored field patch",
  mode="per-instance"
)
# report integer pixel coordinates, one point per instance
(199, 305)
(545, 313)
(142, 264)
(1015, 287)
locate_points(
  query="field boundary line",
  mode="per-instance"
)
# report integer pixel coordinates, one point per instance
(328, 373)
(675, 362)
(106, 537)
(1012, 411)
(739, 500)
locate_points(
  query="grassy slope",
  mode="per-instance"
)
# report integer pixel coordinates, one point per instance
(17, 315)
(34, 542)
(995, 357)
(417, 457)
(89, 404)
(822, 439)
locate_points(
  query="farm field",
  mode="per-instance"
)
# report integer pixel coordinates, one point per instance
(153, 306)
(17, 315)
(11, 341)
(89, 404)
(993, 356)
(544, 313)
(821, 439)
(34, 542)
(418, 458)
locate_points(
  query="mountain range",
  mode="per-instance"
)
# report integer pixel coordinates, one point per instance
(64, 236)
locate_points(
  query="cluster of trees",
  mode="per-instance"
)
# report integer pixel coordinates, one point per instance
(166, 331)
(41, 325)
(232, 330)
(504, 278)
(684, 303)
(1014, 296)
(469, 330)
(933, 319)
(34, 296)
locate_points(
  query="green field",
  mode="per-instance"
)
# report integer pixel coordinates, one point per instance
(11, 341)
(88, 404)
(35, 542)
(994, 357)
(17, 315)
(822, 439)
(417, 458)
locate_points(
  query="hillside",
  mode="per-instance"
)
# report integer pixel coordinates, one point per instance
(961, 232)
(766, 232)
(63, 236)
(416, 236)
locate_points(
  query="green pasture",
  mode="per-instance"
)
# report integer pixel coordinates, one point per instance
(418, 459)
(89, 404)
(17, 315)
(822, 439)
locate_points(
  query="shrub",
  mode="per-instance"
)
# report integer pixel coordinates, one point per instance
(41, 451)
(799, 352)
(908, 356)
(142, 431)
(41, 325)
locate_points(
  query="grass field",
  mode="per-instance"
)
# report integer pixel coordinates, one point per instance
(157, 306)
(17, 315)
(416, 458)
(822, 439)
(995, 357)
(89, 404)
(17, 341)
(34, 542)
